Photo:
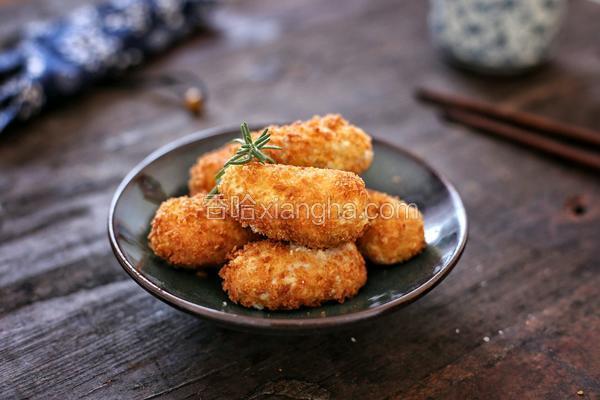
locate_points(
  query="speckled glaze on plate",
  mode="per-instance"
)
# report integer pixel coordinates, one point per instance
(164, 174)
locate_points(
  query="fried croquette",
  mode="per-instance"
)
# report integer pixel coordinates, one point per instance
(395, 232)
(314, 207)
(283, 276)
(321, 142)
(189, 233)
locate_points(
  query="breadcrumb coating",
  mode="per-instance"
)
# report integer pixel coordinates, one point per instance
(283, 276)
(395, 233)
(313, 207)
(188, 234)
(321, 142)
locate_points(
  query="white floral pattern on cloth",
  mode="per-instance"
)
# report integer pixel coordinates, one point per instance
(62, 57)
(496, 34)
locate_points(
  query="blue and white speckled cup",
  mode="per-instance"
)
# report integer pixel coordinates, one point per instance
(496, 36)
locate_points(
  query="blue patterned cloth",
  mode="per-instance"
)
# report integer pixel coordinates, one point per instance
(60, 58)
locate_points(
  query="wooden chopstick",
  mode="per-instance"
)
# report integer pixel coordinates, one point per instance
(524, 137)
(521, 118)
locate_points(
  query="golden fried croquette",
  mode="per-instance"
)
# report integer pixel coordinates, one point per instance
(395, 232)
(283, 276)
(321, 142)
(314, 207)
(186, 233)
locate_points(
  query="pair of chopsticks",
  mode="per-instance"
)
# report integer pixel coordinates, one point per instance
(543, 134)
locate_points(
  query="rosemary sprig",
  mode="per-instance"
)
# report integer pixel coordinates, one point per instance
(248, 151)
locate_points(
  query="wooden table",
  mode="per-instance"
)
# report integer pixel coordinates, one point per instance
(518, 318)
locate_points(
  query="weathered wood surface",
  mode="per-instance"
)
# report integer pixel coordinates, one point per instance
(73, 325)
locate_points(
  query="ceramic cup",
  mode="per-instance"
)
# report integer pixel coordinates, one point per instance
(496, 36)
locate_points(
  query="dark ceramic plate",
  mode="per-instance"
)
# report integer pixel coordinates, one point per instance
(164, 174)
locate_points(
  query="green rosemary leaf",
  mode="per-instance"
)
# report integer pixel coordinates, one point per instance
(261, 157)
(219, 174)
(261, 141)
(264, 134)
(248, 151)
(236, 157)
(241, 162)
(246, 133)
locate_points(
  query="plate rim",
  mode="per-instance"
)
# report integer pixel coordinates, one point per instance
(243, 321)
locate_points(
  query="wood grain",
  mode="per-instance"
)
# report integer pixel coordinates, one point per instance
(73, 325)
